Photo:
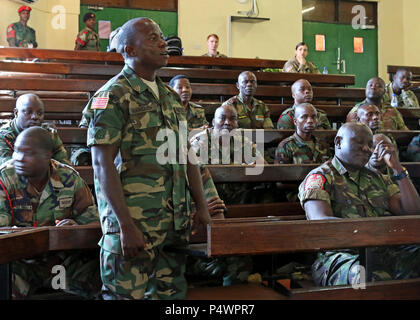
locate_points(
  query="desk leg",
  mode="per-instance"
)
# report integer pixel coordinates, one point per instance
(365, 260)
(6, 281)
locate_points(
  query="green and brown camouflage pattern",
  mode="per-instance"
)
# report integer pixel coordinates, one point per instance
(88, 40)
(407, 98)
(351, 194)
(297, 151)
(157, 195)
(285, 121)
(357, 194)
(131, 121)
(204, 142)
(196, 116)
(155, 269)
(256, 118)
(65, 196)
(23, 36)
(294, 66)
(9, 132)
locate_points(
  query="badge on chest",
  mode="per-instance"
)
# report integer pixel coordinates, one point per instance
(65, 202)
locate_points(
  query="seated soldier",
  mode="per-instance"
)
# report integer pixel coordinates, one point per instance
(301, 93)
(299, 64)
(391, 117)
(212, 45)
(38, 191)
(399, 86)
(344, 188)
(252, 113)
(29, 112)
(303, 146)
(196, 116)
(215, 145)
(370, 115)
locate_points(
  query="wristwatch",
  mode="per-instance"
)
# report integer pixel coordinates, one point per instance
(402, 175)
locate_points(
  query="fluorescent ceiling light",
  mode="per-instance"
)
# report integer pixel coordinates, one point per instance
(308, 9)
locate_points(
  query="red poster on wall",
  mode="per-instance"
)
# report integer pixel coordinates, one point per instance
(357, 44)
(319, 42)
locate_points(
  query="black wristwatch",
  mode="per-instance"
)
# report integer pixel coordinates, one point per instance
(402, 175)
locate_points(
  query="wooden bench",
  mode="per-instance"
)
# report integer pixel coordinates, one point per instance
(18, 243)
(116, 58)
(98, 71)
(72, 135)
(392, 69)
(271, 172)
(263, 236)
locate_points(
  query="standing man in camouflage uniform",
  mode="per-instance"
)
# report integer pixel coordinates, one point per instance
(144, 206)
(29, 112)
(252, 113)
(19, 34)
(303, 146)
(343, 188)
(301, 93)
(196, 115)
(88, 39)
(38, 191)
(402, 81)
(375, 91)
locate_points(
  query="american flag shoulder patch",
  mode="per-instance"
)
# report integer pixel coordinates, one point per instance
(99, 103)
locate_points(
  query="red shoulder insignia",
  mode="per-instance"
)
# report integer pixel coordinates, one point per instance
(315, 181)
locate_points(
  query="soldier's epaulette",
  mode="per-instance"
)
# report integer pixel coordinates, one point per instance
(60, 165)
(9, 164)
(194, 105)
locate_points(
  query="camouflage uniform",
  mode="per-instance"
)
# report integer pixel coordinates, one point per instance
(297, 151)
(196, 116)
(88, 40)
(218, 55)
(9, 133)
(256, 118)
(293, 65)
(356, 194)
(23, 36)
(125, 113)
(286, 119)
(407, 98)
(65, 196)
(231, 269)
(391, 118)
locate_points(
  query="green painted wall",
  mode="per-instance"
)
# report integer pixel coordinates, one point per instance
(168, 21)
(363, 65)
